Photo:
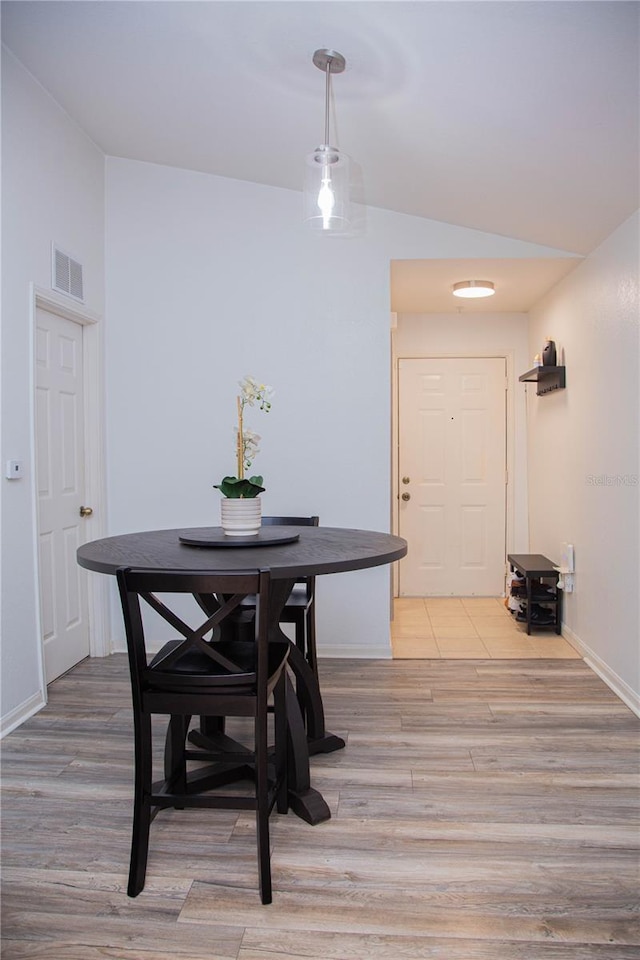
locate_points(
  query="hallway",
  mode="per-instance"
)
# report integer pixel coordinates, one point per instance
(468, 628)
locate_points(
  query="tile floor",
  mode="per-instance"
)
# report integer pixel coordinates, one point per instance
(468, 628)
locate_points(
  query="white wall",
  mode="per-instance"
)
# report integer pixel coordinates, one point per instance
(583, 453)
(52, 189)
(209, 279)
(486, 334)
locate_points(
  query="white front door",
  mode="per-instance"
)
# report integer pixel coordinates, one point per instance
(452, 476)
(60, 477)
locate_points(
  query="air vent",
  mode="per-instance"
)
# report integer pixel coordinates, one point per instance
(66, 274)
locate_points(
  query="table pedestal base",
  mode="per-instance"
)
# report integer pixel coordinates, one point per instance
(326, 744)
(304, 801)
(310, 806)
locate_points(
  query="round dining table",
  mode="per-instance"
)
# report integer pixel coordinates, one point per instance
(290, 553)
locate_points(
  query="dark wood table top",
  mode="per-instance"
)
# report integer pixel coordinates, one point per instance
(319, 550)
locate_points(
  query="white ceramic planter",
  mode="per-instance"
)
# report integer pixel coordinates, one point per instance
(241, 518)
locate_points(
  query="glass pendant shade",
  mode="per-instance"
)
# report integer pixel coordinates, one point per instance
(327, 182)
(326, 190)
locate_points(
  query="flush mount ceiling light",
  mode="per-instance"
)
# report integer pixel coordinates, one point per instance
(472, 289)
(326, 188)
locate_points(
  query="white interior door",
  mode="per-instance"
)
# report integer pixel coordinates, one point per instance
(60, 478)
(452, 482)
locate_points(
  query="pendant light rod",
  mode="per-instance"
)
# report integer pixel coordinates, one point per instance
(329, 61)
(327, 97)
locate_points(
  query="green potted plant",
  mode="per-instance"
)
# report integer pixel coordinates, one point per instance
(241, 510)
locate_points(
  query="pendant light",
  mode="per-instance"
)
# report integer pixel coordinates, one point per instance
(326, 188)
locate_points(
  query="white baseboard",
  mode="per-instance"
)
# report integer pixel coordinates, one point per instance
(619, 686)
(21, 713)
(342, 652)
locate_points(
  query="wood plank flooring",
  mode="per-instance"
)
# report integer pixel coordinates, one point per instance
(482, 810)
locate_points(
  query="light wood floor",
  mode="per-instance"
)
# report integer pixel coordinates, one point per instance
(468, 628)
(482, 810)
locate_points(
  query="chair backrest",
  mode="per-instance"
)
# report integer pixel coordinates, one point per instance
(296, 522)
(227, 591)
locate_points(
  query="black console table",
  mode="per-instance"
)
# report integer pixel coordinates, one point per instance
(534, 566)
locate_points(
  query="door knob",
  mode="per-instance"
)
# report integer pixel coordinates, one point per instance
(406, 496)
(406, 479)
(86, 511)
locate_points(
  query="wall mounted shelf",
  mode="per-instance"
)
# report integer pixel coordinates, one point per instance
(547, 378)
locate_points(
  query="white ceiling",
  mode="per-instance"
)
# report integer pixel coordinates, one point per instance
(515, 118)
(518, 283)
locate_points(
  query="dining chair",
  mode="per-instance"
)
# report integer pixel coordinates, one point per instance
(207, 671)
(299, 609)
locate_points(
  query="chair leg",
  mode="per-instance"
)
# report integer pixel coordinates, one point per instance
(280, 721)
(301, 644)
(175, 765)
(262, 808)
(300, 639)
(141, 805)
(311, 639)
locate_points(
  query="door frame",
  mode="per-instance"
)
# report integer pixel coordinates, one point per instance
(93, 410)
(509, 357)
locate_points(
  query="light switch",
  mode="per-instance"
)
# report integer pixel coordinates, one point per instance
(14, 470)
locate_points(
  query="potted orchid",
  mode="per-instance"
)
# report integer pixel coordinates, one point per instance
(240, 518)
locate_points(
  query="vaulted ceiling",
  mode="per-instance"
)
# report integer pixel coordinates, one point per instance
(515, 118)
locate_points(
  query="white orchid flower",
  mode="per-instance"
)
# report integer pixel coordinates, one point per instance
(253, 393)
(250, 447)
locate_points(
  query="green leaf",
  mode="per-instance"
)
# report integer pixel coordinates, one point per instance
(235, 489)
